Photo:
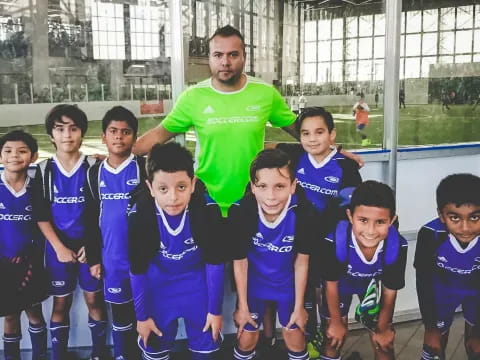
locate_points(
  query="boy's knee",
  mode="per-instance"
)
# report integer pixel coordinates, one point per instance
(294, 340)
(248, 340)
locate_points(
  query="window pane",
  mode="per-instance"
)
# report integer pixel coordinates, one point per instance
(351, 71)
(445, 60)
(365, 48)
(379, 47)
(464, 17)
(430, 20)
(310, 52)
(476, 44)
(323, 72)
(447, 18)
(337, 50)
(413, 45)
(352, 26)
(380, 24)
(336, 73)
(324, 51)
(366, 25)
(412, 68)
(464, 42)
(310, 30)
(310, 73)
(351, 49)
(324, 30)
(378, 70)
(429, 44)
(414, 21)
(446, 42)
(426, 62)
(461, 59)
(364, 70)
(337, 28)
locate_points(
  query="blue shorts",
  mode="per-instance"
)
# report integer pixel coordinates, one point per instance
(445, 307)
(258, 306)
(345, 302)
(116, 281)
(361, 126)
(193, 309)
(63, 277)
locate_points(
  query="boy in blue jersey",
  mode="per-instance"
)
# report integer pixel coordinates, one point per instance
(326, 175)
(356, 257)
(447, 261)
(22, 278)
(273, 229)
(60, 212)
(176, 260)
(111, 182)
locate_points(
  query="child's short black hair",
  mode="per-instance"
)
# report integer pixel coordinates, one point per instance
(119, 113)
(73, 112)
(373, 193)
(170, 157)
(458, 189)
(271, 159)
(315, 111)
(227, 31)
(20, 135)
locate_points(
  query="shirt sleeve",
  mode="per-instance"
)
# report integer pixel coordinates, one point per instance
(40, 206)
(294, 151)
(281, 114)
(139, 283)
(215, 275)
(393, 276)
(330, 268)
(351, 176)
(179, 119)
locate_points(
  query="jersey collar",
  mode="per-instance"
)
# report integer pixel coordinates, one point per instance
(74, 169)
(457, 246)
(171, 231)
(318, 165)
(21, 192)
(231, 92)
(360, 254)
(122, 166)
(278, 220)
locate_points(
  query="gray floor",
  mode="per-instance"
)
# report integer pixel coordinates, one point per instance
(408, 344)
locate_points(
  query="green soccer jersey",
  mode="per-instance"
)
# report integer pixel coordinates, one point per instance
(230, 129)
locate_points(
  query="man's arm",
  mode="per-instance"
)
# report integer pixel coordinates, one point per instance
(153, 136)
(292, 131)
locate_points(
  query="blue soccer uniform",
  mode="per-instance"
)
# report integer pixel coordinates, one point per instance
(62, 202)
(343, 261)
(271, 250)
(171, 266)
(444, 267)
(21, 241)
(323, 182)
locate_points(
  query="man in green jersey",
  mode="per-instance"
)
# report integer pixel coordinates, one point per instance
(229, 113)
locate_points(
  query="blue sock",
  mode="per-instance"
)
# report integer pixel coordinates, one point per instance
(98, 330)
(11, 346)
(38, 337)
(301, 355)
(59, 332)
(243, 355)
(122, 336)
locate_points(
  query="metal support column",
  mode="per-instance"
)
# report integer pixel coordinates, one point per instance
(393, 13)
(177, 62)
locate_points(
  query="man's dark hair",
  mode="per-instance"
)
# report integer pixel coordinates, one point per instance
(73, 112)
(170, 157)
(458, 189)
(271, 159)
(373, 193)
(20, 135)
(119, 113)
(315, 111)
(227, 31)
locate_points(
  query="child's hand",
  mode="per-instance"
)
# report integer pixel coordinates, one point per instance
(215, 322)
(383, 340)
(336, 332)
(96, 271)
(65, 255)
(144, 328)
(242, 317)
(82, 255)
(298, 317)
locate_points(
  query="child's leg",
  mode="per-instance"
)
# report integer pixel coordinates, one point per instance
(329, 351)
(38, 332)
(60, 326)
(269, 321)
(434, 344)
(293, 336)
(124, 331)
(380, 354)
(97, 322)
(245, 347)
(11, 336)
(472, 341)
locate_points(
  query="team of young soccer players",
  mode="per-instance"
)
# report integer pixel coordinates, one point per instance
(145, 237)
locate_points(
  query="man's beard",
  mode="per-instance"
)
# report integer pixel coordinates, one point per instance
(233, 80)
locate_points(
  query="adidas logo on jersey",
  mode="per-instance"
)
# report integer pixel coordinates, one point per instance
(442, 258)
(259, 235)
(208, 110)
(301, 171)
(102, 184)
(2, 206)
(55, 190)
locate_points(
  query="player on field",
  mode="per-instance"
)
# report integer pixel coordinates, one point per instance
(360, 112)
(365, 257)
(176, 258)
(447, 263)
(326, 176)
(111, 182)
(22, 277)
(60, 212)
(273, 232)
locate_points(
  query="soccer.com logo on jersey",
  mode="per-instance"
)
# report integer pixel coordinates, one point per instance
(16, 217)
(316, 188)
